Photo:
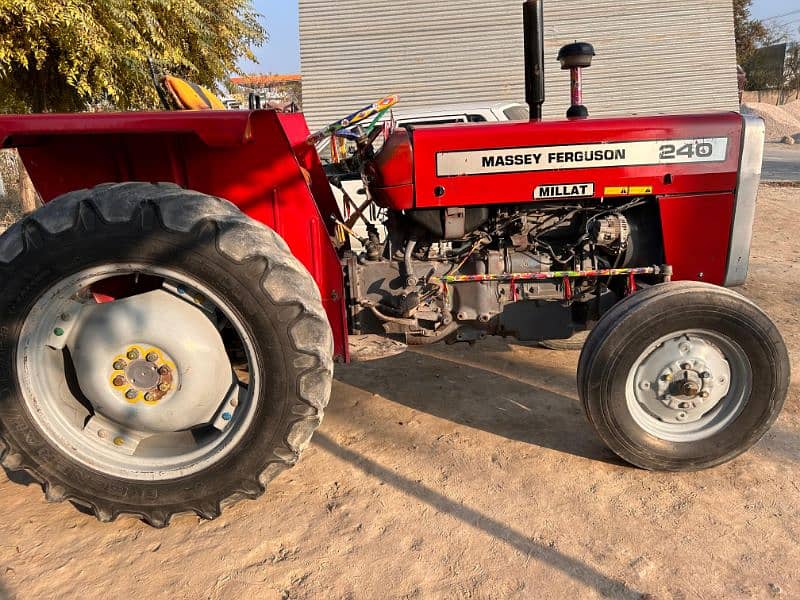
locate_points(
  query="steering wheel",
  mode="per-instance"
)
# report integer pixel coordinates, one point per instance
(377, 109)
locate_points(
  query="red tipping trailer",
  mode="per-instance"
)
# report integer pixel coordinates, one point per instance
(257, 160)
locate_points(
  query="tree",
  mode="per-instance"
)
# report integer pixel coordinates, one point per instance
(66, 55)
(750, 33)
(793, 69)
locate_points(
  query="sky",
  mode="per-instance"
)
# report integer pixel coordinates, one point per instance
(766, 9)
(281, 54)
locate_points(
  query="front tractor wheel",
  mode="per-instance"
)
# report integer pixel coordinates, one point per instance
(683, 376)
(160, 353)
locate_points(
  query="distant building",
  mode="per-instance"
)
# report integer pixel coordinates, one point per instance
(652, 55)
(283, 92)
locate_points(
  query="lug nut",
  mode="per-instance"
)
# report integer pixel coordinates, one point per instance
(133, 354)
(705, 375)
(151, 357)
(667, 377)
(686, 366)
(131, 394)
(119, 380)
(164, 370)
(684, 405)
(119, 365)
(163, 387)
(704, 394)
(148, 397)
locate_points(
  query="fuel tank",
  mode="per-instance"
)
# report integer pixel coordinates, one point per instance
(513, 162)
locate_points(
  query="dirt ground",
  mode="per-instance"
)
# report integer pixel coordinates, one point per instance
(456, 472)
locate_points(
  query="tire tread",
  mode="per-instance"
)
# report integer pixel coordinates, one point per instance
(239, 239)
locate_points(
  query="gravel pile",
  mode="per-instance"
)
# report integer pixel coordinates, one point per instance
(793, 108)
(781, 121)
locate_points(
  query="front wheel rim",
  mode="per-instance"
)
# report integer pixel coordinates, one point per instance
(688, 385)
(98, 435)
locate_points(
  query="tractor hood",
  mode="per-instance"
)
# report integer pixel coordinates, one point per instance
(505, 163)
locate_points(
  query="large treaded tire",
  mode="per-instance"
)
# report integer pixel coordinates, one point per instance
(626, 331)
(244, 262)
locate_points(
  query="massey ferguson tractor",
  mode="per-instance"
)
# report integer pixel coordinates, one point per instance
(170, 318)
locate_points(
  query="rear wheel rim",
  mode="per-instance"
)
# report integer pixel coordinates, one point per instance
(688, 385)
(97, 435)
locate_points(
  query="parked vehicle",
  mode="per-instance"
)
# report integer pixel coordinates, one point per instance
(169, 347)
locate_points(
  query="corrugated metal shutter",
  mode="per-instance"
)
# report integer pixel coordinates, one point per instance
(652, 55)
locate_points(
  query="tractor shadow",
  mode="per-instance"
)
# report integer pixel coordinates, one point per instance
(607, 586)
(20, 478)
(519, 398)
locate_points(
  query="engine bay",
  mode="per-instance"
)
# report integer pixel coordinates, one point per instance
(496, 254)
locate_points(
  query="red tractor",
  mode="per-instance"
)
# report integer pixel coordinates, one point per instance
(169, 347)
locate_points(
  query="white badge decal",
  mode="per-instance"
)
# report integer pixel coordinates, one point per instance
(564, 190)
(580, 156)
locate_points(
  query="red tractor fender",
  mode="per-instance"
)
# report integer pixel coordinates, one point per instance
(258, 160)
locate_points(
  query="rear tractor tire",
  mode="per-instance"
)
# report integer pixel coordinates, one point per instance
(160, 352)
(683, 376)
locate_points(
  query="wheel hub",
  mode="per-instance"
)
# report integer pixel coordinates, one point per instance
(144, 375)
(682, 379)
(151, 362)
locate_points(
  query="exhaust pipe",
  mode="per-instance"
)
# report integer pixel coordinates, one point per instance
(533, 20)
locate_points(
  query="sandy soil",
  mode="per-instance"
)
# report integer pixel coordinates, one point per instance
(460, 473)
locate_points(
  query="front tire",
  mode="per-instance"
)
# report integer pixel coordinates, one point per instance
(195, 280)
(683, 376)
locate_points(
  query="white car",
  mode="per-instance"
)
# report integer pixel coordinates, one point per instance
(440, 115)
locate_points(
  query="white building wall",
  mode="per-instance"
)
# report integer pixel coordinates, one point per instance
(653, 56)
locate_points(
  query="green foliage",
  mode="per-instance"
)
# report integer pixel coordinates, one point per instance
(793, 69)
(750, 33)
(67, 55)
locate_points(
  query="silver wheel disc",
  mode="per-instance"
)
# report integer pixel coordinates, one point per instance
(140, 387)
(688, 385)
